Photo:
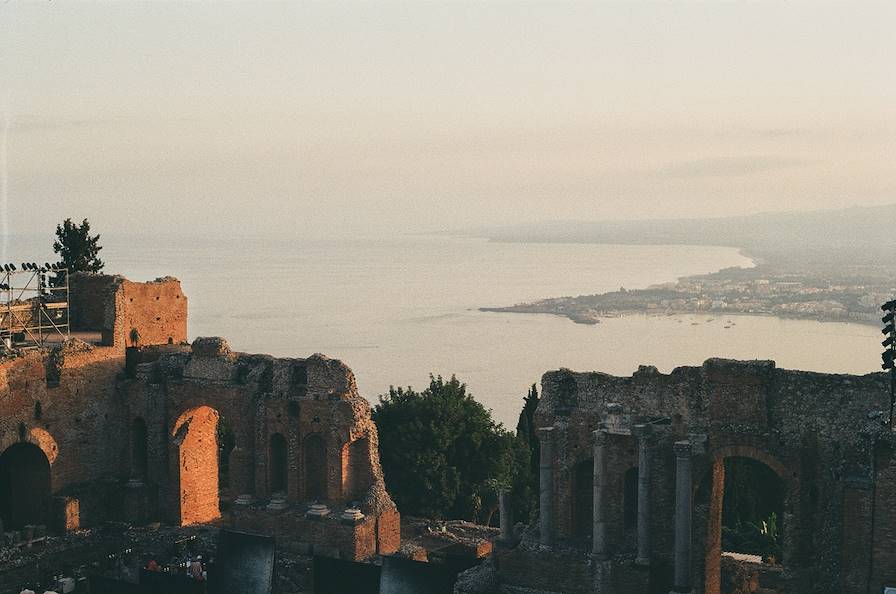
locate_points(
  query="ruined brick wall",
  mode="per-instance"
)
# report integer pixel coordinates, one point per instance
(90, 296)
(65, 402)
(132, 434)
(150, 313)
(126, 313)
(883, 521)
(817, 432)
(326, 443)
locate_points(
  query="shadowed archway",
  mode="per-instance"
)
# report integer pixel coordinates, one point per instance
(24, 486)
(315, 462)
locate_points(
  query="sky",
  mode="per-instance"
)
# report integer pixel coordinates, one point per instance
(330, 119)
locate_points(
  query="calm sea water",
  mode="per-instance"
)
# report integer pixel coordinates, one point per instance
(396, 310)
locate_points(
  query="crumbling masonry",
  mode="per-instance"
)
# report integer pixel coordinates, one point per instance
(632, 481)
(133, 424)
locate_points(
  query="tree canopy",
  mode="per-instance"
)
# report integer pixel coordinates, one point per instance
(442, 453)
(77, 249)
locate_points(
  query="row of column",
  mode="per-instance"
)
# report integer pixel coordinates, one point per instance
(683, 503)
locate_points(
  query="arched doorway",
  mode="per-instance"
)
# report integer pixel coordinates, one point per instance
(356, 468)
(583, 500)
(196, 441)
(315, 462)
(747, 498)
(277, 464)
(139, 449)
(24, 486)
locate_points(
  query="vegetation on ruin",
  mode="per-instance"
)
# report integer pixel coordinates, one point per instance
(752, 508)
(444, 456)
(77, 249)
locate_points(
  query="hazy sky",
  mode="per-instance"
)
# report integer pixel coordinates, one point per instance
(360, 117)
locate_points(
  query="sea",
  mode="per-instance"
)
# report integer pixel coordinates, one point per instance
(398, 309)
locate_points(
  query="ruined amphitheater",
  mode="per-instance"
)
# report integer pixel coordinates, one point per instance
(127, 424)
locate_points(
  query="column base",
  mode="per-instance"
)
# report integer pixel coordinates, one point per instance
(244, 500)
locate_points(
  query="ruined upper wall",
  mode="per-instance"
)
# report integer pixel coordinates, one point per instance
(720, 397)
(128, 313)
(262, 398)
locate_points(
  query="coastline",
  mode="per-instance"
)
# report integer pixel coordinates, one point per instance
(763, 289)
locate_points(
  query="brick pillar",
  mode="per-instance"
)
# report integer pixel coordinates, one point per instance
(682, 517)
(506, 515)
(546, 486)
(643, 434)
(599, 541)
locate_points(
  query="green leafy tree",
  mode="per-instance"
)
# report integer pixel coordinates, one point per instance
(442, 453)
(77, 249)
(527, 453)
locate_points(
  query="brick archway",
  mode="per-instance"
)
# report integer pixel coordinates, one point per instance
(24, 485)
(713, 552)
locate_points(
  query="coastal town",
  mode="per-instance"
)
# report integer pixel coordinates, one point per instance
(735, 291)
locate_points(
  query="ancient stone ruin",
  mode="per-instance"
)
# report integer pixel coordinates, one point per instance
(126, 422)
(632, 483)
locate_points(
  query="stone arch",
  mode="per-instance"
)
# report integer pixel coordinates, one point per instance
(139, 449)
(25, 485)
(278, 464)
(195, 472)
(715, 489)
(315, 466)
(583, 499)
(357, 474)
(36, 436)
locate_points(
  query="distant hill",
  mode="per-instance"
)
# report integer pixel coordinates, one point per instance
(853, 240)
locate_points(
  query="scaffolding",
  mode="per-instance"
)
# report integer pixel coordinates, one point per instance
(34, 305)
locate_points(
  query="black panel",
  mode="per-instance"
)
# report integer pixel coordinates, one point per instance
(334, 576)
(403, 576)
(244, 565)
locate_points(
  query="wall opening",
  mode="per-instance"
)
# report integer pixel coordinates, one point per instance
(226, 445)
(746, 529)
(24, 486)
(357, 473)
(277, 464)
(630, 499)
(752, 509)
(196, 440)
(315, 463)
(583, 500)
(139, 449)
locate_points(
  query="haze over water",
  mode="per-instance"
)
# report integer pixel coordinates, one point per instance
(397, 309)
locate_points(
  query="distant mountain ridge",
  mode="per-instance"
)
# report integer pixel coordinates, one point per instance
(847, 240)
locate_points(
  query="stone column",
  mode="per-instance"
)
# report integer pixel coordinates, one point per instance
(682, 517)
(599, 540)
(506, 515)
(240, 479)
(643, 434)
(546, 487)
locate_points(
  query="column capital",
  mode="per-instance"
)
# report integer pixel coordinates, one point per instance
(545, 432)
(682, 449)
(644, 434)
(600, 437)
